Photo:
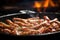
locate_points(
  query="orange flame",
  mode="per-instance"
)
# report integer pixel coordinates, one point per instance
(37, 5)
(45, 4)
(52, 4)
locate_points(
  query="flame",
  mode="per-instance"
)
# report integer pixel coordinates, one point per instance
(48, 3)
(37, 5)
(52, 4)
(45, 4)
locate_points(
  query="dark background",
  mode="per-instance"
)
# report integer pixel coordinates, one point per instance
(14, 2)
(17, 5)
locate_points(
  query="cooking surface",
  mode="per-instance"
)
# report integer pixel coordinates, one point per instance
(51, 16)
(47, 37)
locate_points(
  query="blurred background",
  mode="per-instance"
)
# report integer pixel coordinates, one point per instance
(13, 6)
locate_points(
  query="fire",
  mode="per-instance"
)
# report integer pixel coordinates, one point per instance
(53, 4)
(37, 5)
(45, 4)
(48, 3)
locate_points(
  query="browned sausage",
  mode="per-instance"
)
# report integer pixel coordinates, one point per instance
(12, 23)
(4, 25)
(21, 20)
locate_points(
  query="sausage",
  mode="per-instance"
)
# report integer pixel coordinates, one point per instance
(12, 23)
(20, 20)
(4, 25)
(30, 26)
(46, 18)
(42, 30)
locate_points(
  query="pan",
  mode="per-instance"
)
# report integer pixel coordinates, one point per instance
(29, 15)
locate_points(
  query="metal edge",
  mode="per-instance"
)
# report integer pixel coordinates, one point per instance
(9, 15)
(26, 13)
